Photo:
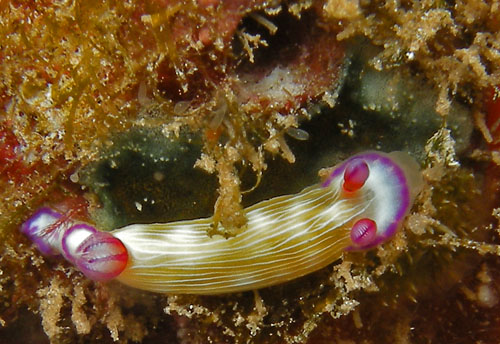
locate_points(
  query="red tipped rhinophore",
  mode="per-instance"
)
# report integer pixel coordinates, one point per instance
(355, 175)
(100, 256)
(363, 232)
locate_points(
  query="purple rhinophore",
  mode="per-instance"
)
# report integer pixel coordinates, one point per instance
(100, 256)
(37, 226)
(363, 232)
(355, 175)
(73, 238)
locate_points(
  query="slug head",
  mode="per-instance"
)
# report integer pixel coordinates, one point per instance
(387, 183)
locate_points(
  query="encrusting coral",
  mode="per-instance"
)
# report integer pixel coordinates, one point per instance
(86, 84)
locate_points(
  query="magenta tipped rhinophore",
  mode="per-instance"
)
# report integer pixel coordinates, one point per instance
(73, 238)
(363, 232)
(355, 175)
(99, 255)
(36, 228)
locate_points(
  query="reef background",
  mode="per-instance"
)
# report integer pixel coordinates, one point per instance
(222, 87)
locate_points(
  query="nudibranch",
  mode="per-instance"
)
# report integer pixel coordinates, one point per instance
(361, 204)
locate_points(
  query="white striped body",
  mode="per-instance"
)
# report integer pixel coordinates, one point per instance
(362, 203)
(286, 237)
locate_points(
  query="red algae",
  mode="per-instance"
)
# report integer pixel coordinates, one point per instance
(11, 161)
(239, 75)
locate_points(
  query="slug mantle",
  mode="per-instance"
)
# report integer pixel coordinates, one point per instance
(360, 205)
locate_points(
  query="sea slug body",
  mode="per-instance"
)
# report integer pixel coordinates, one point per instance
(360, 205)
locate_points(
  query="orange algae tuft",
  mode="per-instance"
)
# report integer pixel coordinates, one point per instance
(86, 70)
(455, 47)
